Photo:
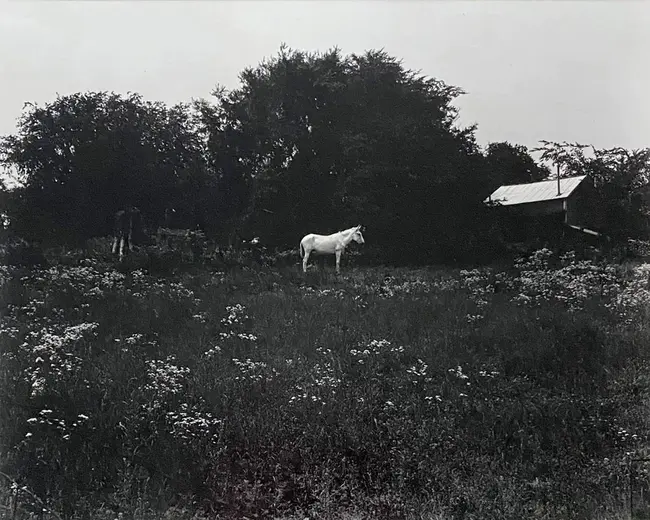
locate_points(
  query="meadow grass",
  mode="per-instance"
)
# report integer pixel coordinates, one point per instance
(269, 393)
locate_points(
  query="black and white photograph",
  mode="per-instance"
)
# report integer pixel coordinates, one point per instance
(325, 260)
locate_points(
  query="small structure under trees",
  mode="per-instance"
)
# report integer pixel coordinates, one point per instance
(545, 210)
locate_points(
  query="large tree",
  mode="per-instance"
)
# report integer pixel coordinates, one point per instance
(275, 140)
(82, 157)
(512, 164)
(328, 141)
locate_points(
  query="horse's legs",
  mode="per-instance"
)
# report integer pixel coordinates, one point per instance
(338, 261)
(122, 247)
(114, 249)
(305, 260)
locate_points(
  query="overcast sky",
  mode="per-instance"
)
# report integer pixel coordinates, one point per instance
(556, 70)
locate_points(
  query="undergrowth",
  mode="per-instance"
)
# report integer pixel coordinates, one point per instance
(379, 393)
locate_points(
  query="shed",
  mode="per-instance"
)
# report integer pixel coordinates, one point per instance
(567, 200)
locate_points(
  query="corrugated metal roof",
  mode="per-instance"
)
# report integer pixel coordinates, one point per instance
(535, 191)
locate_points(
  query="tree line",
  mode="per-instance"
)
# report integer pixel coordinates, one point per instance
(308, 142)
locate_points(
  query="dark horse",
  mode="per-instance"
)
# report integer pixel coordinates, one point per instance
(128, 223)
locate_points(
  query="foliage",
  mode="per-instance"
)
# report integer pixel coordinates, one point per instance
(621, 179)
(382, 393)
(308, 142)
(85, 156)
(512, 164)
(328, 139)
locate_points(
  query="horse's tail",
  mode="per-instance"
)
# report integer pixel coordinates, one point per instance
(302, 250)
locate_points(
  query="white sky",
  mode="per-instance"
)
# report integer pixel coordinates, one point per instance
(556, 70)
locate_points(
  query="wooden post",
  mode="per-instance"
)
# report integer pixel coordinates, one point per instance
(558, 179)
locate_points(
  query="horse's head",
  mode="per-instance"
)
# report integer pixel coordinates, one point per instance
(357, 236)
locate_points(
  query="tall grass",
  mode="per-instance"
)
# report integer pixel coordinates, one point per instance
(380, 393)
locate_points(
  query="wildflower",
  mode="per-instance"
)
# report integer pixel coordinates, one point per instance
(236, 315)
(165, 377)
(189, 423)
(208, 354)
(418, 370)
(133, 339)
(254, 371)
(459, 373)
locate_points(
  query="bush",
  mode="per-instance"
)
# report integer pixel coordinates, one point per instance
(19, 252)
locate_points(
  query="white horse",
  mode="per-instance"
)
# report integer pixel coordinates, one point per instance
(329, 244)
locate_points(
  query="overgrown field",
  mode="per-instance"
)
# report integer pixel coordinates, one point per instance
(380, 393)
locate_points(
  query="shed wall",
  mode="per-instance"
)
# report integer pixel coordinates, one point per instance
(581, 206)
(533, 209)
